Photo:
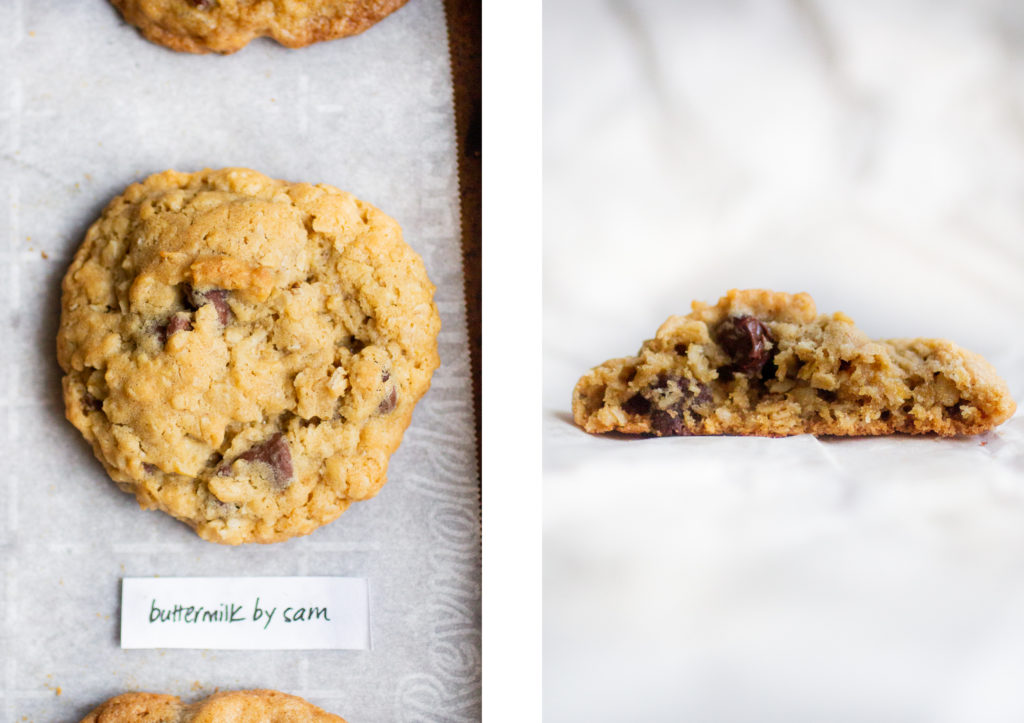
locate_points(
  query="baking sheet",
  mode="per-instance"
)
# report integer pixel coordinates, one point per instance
(87, 107)
(870, 154)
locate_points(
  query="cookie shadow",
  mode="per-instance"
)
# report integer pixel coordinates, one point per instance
(566, 417)
(51, 392)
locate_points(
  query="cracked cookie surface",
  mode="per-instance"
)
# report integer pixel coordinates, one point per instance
(765, 363)
(225, 26)
(244, 353)
(242, 706)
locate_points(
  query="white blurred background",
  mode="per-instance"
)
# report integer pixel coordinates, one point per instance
(870, 153)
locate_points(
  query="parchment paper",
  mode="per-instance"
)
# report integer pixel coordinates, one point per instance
(86, 107)
(871, 154)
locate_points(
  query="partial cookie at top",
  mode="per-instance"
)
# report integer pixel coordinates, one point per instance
(241, 706)
(244, 353)
(765, 363)
(225, 26)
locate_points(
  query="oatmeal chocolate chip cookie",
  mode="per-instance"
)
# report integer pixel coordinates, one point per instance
(242, 706)
(244, 353)
(224, 26)
(765, 363)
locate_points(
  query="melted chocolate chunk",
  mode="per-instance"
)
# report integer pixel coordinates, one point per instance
(703, 397)
(666, 383)
(177, 323)
(665, 424)
(389, 402)
(275, 453)
(746, 340)
(637, 404)
(667, 417)
(217, 297)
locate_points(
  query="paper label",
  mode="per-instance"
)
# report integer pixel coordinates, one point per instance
(245, 613)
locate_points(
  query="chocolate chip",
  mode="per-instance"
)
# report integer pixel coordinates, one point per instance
(385, 375)
(91, 404)
(150, 468)
(745, 340)
(667, 399)
(681, 349)
(637, 404)
(389, 402)
(827, 395)
(667, 383)
(217, 297)
(665, 424)
(703, 396)
(202, 4)
(275, 453)
(178, 322)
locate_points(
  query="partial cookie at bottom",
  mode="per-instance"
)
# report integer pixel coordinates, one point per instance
(243, 706)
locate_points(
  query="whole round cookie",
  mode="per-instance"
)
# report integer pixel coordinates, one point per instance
(224, 26)
(244, 353)
(240, 706)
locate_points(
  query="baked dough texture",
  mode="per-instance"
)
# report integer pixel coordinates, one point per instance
(765, 363)
(242, 706)
(244, 353)
(224, 26)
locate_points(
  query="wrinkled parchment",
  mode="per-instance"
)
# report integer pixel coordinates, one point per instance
(86, 107)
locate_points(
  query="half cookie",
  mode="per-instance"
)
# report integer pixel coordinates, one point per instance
(765, 363)
(224, 26)
(244, 353)
(241, 706)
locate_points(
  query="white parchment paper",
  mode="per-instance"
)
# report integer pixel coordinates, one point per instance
(86, 107)
(870, 153)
